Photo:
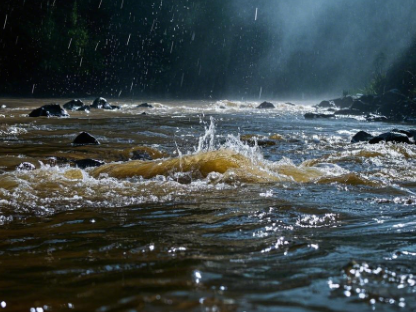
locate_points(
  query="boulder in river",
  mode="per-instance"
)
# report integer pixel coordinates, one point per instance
(391, 137)
(361, 136)
(101, 103)
(50, 110)
(26, 166)
(144, 105)
(266, 105)
(88, 163)
(362, 107)
(344, 102)
(84, 138)
(74, 105)
(318, 115)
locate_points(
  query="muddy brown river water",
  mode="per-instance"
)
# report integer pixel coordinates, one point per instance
(239, 209)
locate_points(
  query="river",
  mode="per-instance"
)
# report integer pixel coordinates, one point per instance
(240, 209)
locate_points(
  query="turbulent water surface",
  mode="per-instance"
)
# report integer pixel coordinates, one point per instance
(239, 209)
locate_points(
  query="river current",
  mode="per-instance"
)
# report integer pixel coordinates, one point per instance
(239, 209)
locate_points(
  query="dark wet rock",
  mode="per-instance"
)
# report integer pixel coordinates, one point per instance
(362, 107)
(144, 113)
(85, 138)
(140, 155)
(50, 110)
(361, 136)
(144, 105)
(326, 104)
(390, 137)
(262, 141)
(101, 103)
(344, 102)
(396, 106)
(25, 166)
(318, 115)
(114, 107)
(87, 163)
(74, 105)
(266, 105)
(369, 99)
(375, 118)
(290, 104)
(411, 133)
(348, 112)
(183, 178)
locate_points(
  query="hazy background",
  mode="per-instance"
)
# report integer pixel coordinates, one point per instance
(242, 49)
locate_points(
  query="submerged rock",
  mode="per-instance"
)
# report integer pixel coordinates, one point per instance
(50, 110)
(390, 137)
(25, 166)
(318, 115)
(361, 136)
(88, 163)
(266, 105)
(144, 105)
(140, 155)
(373, 117)
(84, 138)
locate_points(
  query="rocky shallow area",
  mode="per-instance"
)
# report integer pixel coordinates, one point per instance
(392, 106)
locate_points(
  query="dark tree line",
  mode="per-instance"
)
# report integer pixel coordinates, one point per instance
(163, 48)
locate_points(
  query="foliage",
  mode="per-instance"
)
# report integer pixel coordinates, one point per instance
(377, 85)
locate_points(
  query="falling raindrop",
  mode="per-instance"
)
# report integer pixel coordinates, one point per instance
(97, 46)
(255, 16)
(69, 45)
(261, 91)
(183, 76)
(5, 22)
(33, 88)
(101, 1)
(128, 40)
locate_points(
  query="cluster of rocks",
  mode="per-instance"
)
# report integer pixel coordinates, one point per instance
(56, 110)
(391, 106)
(83, 139)
(395, 136)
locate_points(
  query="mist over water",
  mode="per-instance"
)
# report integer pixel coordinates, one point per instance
(328, 46)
